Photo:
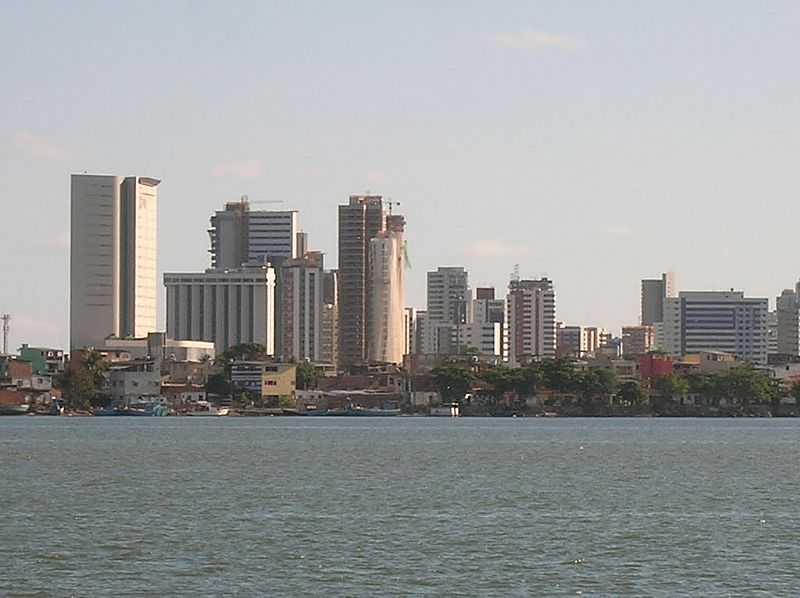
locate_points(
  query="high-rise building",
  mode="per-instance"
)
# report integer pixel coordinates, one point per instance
(227, 308)
(531, 320)
(654, 293)
(594, 338)
(359, 222)
(408, 331)
(329, 338)
(637, 340)
(387, 336)
(241, 236)
(298, 328)
(448, 294)
(568, 341)
(772, 332)
(113, 258)
(724, 321)
(788, 313)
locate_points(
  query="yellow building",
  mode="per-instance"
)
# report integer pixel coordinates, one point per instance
(278, 382)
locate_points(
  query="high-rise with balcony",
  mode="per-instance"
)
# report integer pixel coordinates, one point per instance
(360, 221)
(113, 258)
(531, 320)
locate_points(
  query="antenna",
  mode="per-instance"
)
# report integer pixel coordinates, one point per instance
(5, 318)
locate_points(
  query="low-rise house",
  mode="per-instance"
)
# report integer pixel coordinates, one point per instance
(45, 361)
(134, 380)
(273, 382)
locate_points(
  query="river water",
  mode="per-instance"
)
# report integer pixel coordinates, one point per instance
(399, 506)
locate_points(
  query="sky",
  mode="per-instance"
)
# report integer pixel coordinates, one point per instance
(596, 143)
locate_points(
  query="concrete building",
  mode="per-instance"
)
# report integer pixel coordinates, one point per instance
(637, 340)
(300, 307)
(594, 338)
(359, 222)
(386, 281)
(43, 359)
(484, 337)
(408, 331)
(716, 321)
(113, 252)
(240, 236)
(788, 321)
(654, 294)
(569, 340)
(158, 347)
(772, 332)
(448, 294)
(273, 382)
(329, 338)
(531, 308)
(227, 308)
(133, 381)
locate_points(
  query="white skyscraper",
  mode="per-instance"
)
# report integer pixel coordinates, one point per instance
(113, 258)
(387, 340)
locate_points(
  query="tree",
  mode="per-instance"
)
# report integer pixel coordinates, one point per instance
(453, 383)
(217, 384)
(78, 389)
(630, 393)
(242, 352)
(97, 366)
(559, 374)
(306, 377)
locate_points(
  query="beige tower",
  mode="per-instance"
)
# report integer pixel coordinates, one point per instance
(387, 341)
(113, 258)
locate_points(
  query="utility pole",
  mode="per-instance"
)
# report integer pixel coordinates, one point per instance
(5, 318)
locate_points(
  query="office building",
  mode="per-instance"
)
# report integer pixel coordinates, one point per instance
(387, 334)
(637, 340)
(788, 321)
(717, 321)
(113, 258)
(240, 236)
(531, 320)
(360, 220)
(654, 294)
(227, 308)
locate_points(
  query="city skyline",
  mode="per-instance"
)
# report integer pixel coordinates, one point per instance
(529, 145)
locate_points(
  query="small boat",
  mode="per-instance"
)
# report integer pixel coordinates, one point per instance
(11, 409)
(206, 409)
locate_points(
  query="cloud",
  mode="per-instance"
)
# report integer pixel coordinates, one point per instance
(243, 169)
(496, 248)
(40, 148)
(532, 40)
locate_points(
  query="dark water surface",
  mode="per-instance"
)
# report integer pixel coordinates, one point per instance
(398, 506)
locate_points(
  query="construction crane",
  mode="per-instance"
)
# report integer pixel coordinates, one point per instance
(6, 319)
(246, 200)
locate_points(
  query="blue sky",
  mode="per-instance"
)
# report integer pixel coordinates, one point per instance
(596, 143)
